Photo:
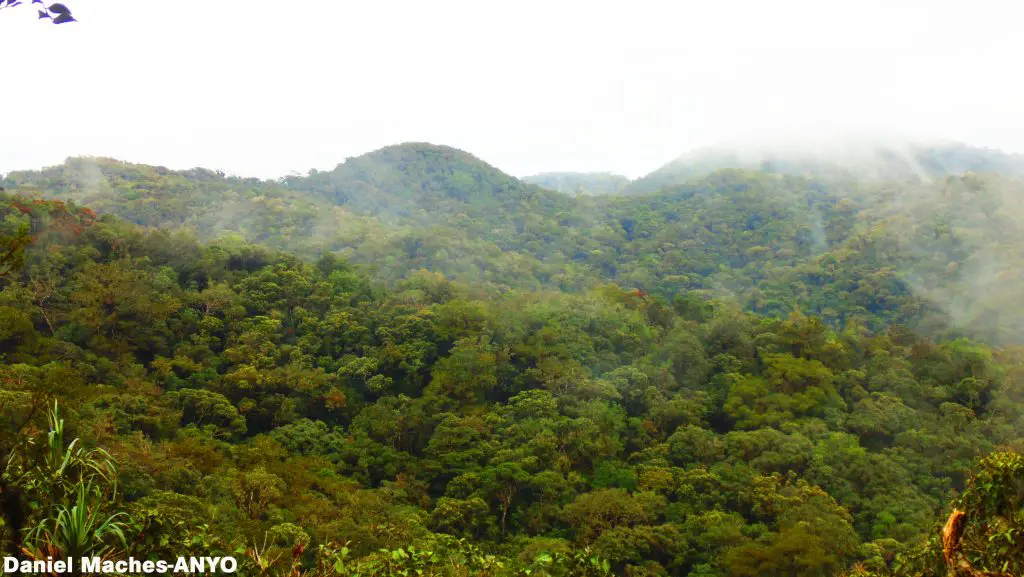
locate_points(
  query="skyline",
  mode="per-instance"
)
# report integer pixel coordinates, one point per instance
(254, 90)
(856, 153)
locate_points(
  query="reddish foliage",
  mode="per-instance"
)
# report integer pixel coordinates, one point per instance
(62, 219)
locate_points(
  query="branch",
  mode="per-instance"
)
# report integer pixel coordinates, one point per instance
(952, 532)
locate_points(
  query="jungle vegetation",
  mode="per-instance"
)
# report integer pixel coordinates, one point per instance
(417, 364)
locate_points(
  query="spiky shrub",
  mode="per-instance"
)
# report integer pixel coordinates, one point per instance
(83, 530)
(66, 492)
(52, 472)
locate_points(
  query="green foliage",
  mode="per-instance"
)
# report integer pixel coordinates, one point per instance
(81, 531)
(44, 477)
(529, 417)
(994, 525)
(854, 251)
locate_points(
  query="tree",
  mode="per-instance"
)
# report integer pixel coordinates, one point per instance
(12, 247)
(206, 408)
(254, 490)
(593, 513)
(24, 222)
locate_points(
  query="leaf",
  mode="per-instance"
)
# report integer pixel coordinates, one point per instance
(59, 8)
(43, 14)
(63, 18)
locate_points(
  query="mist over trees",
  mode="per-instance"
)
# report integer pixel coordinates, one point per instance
(414, 363)
(580, 183)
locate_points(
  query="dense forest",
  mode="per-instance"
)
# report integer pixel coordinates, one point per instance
(937, 253)
(417, 364)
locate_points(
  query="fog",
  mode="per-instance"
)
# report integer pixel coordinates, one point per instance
(961, 243)
(260, 88)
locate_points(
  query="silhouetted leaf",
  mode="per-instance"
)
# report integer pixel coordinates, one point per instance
(59, 8)
(63, 18)
(43, 14)
(37, 1)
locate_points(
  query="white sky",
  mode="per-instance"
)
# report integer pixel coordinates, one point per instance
(261, 88)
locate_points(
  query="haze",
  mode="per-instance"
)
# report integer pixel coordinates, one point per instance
(266, 88)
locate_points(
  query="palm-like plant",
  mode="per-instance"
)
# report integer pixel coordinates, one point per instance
(56, 470)
(50, 475)
(80, 531)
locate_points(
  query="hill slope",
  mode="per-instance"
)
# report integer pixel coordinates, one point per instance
(400, 181)
(936, 254)
(250, 396)
(855, 159)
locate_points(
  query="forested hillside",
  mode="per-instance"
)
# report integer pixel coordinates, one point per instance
(851, 158)
(937, 255)
(416, 364)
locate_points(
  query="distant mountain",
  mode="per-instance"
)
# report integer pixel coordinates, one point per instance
(845, 159)
(589, 183)
(912, 249)
(400, 180)
(397, 209)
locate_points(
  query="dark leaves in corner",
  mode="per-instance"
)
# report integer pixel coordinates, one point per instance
(57, 12)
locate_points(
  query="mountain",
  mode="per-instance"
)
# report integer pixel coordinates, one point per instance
(575, 183)
(933, 253)
(397, 209)
(749, 373)
(401, 180)
(856, 159)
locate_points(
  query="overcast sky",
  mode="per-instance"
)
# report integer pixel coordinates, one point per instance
(264, 88)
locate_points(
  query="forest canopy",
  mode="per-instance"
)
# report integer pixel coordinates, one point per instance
(417, 364)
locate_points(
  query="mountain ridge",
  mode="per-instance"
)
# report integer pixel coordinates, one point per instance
(768, 240)
(946, 157)
(852, 159)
